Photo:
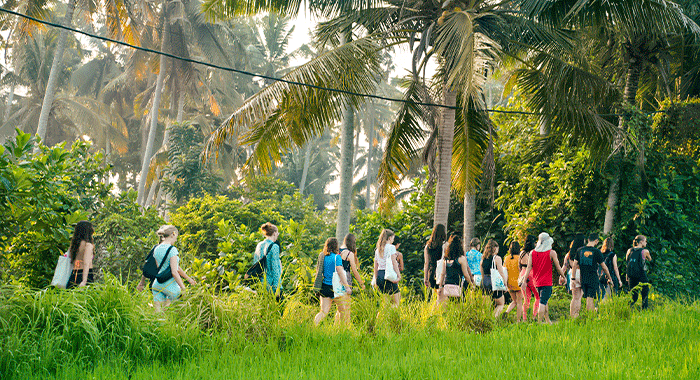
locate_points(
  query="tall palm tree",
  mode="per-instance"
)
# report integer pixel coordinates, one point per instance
(638, 33)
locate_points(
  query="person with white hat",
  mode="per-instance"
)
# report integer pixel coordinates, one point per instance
(540, 264)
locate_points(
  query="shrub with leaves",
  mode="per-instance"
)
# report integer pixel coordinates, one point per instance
(42, 194)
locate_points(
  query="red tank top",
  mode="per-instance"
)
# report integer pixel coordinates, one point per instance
(541, 268)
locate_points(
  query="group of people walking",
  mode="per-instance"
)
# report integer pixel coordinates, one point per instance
(524, 271)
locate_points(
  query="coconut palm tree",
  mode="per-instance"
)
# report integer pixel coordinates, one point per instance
(637, 33)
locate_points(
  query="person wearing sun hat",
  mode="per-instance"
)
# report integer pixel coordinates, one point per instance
(540, 264)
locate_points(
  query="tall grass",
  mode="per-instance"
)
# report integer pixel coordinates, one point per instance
(111, 332)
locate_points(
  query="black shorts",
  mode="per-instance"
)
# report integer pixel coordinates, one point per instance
(545, 292)
(327, 291)
(432, 283)
(386, 287)
(589, 291)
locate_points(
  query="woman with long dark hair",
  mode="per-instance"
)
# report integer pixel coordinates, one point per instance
(454, 268)
(512, 262)
(351, 266)
(574, 279)
(610, 256)
(433, 252)
(81, 254)
(331, 264)
(530, 289)
(491, 260)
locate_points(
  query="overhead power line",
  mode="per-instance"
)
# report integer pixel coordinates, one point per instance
(243, 72)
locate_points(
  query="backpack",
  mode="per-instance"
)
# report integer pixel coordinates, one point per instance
(151, 269)
(635, 263)
(258, 268)
(608, 263)
(585, 261)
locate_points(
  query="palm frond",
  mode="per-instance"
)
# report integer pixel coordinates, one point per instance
(403, 143)
(295, 113)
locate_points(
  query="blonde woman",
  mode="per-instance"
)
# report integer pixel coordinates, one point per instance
(170, 289)
(385, 254)
(489, 260)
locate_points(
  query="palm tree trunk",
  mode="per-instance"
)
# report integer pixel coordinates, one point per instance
(370, 153)
(305, 170)
(630, 96)
(154, 115)
(8, 106)
(469, 215)
(180, 107)
(346, 164)
(446, 137)
(152, 190)
(53, 74)
(346, 171)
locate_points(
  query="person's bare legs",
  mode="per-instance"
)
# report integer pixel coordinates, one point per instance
(396, 298)
(576, 295)
(500, 303)
(543, 314)
(520, 310)
(590, 304)
(158, 306)
(513, 304)
(325, 308)
(343, 313)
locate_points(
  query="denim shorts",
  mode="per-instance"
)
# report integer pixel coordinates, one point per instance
(545, 293)
(168, 291)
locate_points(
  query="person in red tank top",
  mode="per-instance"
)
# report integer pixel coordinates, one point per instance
(540, 264)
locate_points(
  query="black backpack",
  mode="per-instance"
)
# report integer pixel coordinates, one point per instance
(608, 263)
(635, 263)
(151, 268)
(258, 268)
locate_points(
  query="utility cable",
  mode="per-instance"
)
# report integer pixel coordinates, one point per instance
(243, 72)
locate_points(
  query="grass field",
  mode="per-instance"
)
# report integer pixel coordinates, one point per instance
(110, 333)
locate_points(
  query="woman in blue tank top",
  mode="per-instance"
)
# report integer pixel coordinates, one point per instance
(331, 264)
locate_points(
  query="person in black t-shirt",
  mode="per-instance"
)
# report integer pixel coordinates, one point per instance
(588, 259)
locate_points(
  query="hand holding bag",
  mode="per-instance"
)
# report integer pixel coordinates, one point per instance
(498, 283)
(61, 274)
(389, 273)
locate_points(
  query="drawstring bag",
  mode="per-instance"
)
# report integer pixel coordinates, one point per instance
(390, 274)
(452, 290)
(498, 283)
(338, 288)
(61, 274)
(439, 268)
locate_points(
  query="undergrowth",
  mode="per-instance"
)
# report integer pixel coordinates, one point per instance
(51, 331)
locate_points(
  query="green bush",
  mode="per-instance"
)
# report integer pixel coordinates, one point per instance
(124, 235)
(42, 194)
